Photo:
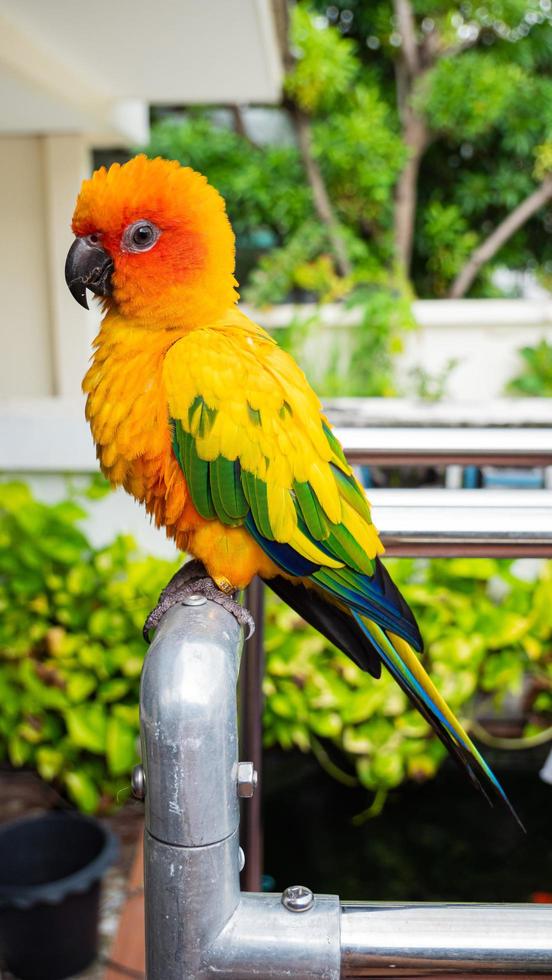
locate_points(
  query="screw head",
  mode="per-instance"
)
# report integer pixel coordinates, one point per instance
(241, 859)
(297, 898)
(194, 600)
(138, 782)
(247, 779)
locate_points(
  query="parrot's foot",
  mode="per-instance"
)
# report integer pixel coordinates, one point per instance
(192, 579)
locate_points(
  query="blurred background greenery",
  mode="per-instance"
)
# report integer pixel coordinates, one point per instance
(411, 155)
(71, 653)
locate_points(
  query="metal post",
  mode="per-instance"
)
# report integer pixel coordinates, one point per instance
(189, 752)
(198, 926)
(251, 736)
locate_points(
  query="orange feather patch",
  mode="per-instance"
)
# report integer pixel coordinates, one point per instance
(188, 278)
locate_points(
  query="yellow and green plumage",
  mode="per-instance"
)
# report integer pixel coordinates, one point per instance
(202, 417)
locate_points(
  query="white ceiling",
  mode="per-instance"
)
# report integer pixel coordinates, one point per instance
(68, 66)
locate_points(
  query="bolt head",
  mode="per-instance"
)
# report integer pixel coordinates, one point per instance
(247, 779)
(297, 898)
(241, 859)
(138, 782)
(194, 600)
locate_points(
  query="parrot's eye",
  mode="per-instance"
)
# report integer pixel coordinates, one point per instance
(140, 236)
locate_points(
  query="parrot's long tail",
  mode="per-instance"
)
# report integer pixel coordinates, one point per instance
(405, 667)
(370, 645)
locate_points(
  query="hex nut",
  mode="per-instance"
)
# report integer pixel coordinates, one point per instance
(247, 779)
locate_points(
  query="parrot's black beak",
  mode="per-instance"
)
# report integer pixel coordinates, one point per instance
(88, 266)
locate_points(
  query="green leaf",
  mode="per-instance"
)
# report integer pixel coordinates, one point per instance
(68, 511)
(388, 769)
(19, 751)
(128, 713)
(121, 746)
(82, 580)
(49, 762)
(80, 685)
(87, 726)
(82, 790)
(98, 487)
(113, 689)
(327, 724)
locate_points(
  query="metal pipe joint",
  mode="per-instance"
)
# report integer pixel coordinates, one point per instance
(198, 925)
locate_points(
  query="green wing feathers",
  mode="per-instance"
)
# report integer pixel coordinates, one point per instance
(249, 436)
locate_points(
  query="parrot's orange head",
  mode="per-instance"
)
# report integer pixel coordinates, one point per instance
(153, 238)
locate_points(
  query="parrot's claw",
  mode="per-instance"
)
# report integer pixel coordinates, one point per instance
(192, 579)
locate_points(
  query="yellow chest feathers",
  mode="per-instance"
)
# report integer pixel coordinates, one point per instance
(126, 404)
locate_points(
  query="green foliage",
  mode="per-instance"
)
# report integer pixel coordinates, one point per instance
(385, 313)
(485, 630)
(535, 381)
(356, 359)
(446, 225)
(486, 98)
(487, 101)
(71, 654)
(488, 104)
(71, 650)
(543, 160)
(325, 66)
(467, 96)
(361, 155)
(430, 387)
(278, 272)
(263, 186)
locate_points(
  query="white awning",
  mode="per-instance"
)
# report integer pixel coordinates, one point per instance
(70, 67)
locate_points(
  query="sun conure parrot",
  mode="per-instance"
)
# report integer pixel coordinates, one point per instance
(198, 413)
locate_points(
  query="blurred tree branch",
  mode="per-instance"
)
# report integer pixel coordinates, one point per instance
(415, 58)
(240, 127)
(322, 203)
(408, 69)
(504, 231)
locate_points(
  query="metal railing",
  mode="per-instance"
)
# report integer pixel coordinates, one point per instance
(488, 523)
(199, 925)
(432, 445)
(424, 522)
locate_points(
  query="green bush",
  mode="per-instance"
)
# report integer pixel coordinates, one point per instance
(71, 653)
(486, 630)
(71, 649)
(535, 380)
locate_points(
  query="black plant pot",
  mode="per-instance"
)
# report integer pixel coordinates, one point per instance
(50, 871)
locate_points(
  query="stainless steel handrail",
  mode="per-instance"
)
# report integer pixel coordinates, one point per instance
(401, 445)
(502, 523)
(198, 925)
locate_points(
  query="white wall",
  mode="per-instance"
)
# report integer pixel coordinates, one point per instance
(483, 335)
(44, 335)
(64, 68)
(26, 361)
